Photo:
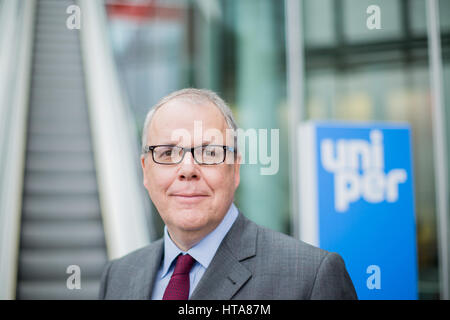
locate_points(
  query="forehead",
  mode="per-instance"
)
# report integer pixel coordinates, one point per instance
(186, 115)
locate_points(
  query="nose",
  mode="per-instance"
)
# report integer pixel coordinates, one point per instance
(188, 168)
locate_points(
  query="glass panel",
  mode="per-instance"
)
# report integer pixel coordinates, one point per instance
(319, 22)
(418, 17)
(355, 20)
(444, 16)
(444, 10)
(149, 48)
(260, 99)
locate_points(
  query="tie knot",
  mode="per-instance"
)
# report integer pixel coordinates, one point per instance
(184, 264)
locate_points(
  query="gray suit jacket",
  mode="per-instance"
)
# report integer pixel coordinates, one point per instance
(252, 262)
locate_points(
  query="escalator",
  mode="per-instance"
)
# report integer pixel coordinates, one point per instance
(71, 194)
(61, 222)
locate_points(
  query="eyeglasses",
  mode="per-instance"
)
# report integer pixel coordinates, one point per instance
(207, 154)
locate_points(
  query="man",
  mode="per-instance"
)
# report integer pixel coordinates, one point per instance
(209, 249)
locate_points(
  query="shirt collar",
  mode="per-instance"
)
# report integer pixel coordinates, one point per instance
(204, 251)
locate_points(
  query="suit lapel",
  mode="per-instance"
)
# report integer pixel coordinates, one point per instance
(226, 274)
(142, 284)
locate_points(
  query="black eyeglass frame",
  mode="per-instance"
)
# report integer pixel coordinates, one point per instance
(147, 149)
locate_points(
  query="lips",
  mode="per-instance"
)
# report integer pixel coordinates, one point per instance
(189, 197)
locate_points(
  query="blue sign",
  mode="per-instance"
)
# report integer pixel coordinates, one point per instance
(357, 199)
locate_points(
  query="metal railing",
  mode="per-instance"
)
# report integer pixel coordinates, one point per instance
(121, 200)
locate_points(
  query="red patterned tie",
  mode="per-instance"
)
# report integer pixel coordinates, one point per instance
(178, 287)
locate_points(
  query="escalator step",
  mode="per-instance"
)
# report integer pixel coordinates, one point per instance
(58, 128)
(57, 161)
(66, 207)
(47, 290)
(54, 143)
(60, 182)
(51, 265)
(62, 234)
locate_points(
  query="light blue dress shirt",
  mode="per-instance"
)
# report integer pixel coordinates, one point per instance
(203, 252)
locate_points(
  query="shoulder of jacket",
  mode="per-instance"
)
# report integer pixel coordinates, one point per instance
(135, 257)
(279, 242)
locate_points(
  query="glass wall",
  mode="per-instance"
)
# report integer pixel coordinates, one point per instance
(237, 48)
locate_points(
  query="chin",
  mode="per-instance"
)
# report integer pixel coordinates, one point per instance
(191, 220)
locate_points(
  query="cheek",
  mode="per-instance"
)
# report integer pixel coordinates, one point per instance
(157, 181)
(220, 180)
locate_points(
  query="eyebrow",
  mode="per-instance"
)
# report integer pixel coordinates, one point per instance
(171, 143)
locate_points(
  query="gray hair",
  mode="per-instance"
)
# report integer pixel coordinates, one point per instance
(195, 96)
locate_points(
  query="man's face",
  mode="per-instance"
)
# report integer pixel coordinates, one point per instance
(190, 197)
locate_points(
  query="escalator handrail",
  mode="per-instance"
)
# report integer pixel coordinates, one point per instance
(121, 201)
(15, 73)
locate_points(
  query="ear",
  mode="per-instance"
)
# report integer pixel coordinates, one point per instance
(237, 167)
(143, 165)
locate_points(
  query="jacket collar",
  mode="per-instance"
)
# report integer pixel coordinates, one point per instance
(141, 285)
(226, 274)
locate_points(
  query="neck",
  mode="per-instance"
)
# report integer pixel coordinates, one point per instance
(186, 240)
